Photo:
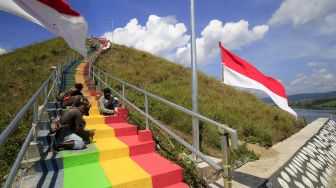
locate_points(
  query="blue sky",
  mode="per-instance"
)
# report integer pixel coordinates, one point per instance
(293, 41)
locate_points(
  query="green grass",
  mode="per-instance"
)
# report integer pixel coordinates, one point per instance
(22, 73)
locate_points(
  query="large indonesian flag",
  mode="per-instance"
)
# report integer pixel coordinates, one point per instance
(55, 15)
(238, 72)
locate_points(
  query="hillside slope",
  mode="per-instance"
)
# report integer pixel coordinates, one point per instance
(22, 73)
(255, 121)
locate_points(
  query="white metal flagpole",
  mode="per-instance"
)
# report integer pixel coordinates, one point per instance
(222, 63)
(110, 19)
(195, 121)
(222, 73)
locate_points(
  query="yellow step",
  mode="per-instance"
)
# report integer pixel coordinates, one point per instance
(118, 172)
(101, 131)
(94, 119)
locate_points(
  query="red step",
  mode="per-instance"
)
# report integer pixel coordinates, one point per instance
(145, 135)
(93, 93)
(122, 111)
(115, 119)
(136, 147)
(164, 172)
(123, 129)
(178, 185)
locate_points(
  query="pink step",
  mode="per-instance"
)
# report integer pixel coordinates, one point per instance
(178, 185)
(164, 172)
(122, 111)
(93, 93)
(115, 119)
(123, 129)
(136, 147)
(145, 135)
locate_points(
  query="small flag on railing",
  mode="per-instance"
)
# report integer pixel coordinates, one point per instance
(238, 72)
(55, 15)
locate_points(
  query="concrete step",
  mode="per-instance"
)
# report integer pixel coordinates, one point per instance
(162, 173)
(99, 119)
(137, 147)
(109, 148)
(178, 185)
(121, 129)
(119, 155)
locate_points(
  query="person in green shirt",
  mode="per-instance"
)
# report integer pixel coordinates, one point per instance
(108, 104)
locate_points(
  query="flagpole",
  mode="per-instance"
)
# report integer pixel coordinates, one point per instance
(222, 62)
(195, 121)
(110, 19)
(222, 73)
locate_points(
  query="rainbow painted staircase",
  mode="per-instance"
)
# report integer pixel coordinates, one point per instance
(120, 155)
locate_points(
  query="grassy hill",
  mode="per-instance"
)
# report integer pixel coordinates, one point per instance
(255, 121)
(22, 73)
(325, 103)
(25, 69)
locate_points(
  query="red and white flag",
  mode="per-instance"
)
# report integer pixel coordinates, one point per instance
(11, 7)
(55, 15)
(238, 72)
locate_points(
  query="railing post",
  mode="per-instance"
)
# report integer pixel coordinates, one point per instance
(53, 89)
(123, 95)
(105, 74)
(35, 118)
(57, 77)
(146, 109)
(45, 93)
(93, 76)
(226, 163)
(90, 70)
(98, 78)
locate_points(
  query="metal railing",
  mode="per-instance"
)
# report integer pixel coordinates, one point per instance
(102, 77)
(48, 89)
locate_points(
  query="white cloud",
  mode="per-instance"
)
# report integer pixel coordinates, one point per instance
(233, 35)
(160, 35)
(321, 80)
(166, 37)
(315, 64)
(2, 51)
(329, 25)
(300, 12)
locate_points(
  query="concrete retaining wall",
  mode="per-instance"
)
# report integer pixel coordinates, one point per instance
(313, 164)
(306, 159)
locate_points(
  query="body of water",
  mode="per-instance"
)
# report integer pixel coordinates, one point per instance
(311, 115)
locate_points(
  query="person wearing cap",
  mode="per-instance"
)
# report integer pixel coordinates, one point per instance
(72, 134)
(72, 97)
(108, 104)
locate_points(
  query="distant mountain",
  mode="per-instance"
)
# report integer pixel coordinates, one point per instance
(325, 103)
(304, 96)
